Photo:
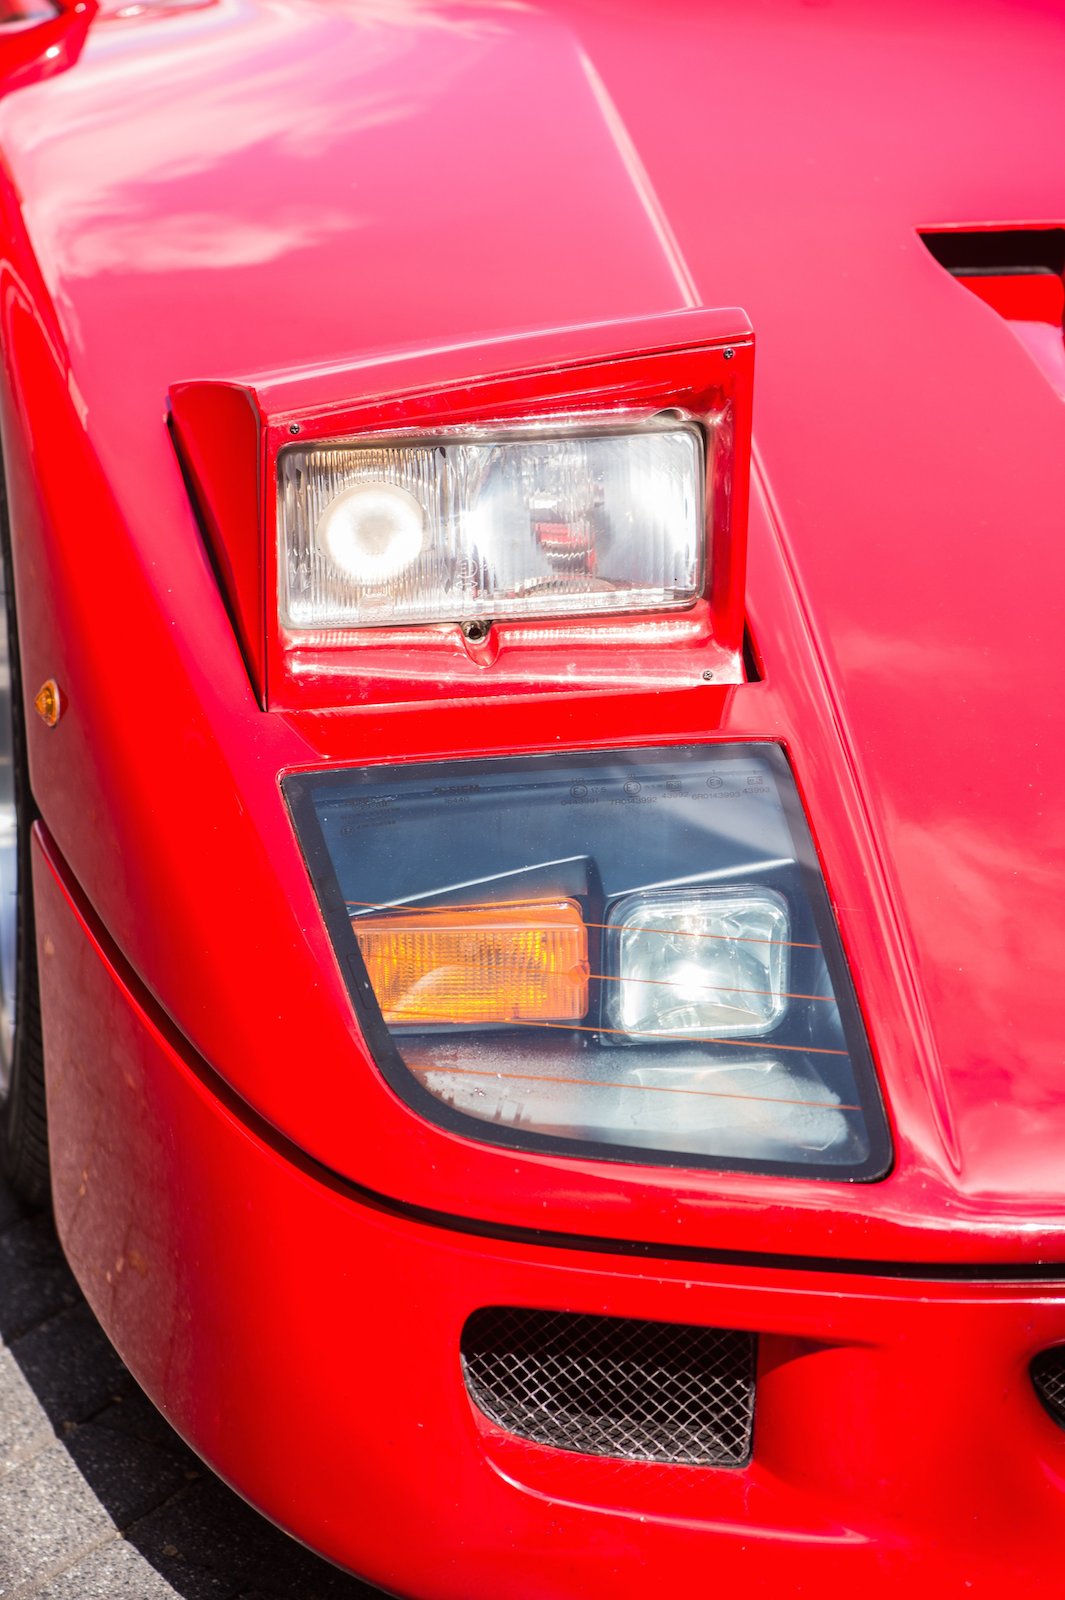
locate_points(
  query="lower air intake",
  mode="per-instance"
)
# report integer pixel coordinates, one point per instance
(610, 1386)
(1048, 1375)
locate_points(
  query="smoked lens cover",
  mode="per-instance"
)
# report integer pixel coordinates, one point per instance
(626, 954)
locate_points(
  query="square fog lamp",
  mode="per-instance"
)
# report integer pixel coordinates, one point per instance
(698, 964)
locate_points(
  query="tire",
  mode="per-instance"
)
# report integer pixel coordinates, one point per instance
(23, 1117)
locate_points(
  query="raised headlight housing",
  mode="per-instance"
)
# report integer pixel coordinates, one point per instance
(535, 514)
(627, 954)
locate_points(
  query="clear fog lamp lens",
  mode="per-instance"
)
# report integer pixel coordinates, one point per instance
(692, 964)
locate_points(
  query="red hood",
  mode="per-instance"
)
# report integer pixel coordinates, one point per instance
(262, 186)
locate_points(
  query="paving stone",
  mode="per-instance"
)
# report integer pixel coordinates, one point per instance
(201, 1530)
(131, 1412)
(35, 1281)
(71, 1367)
(315, 1581)
(24, 1424)
(117, 1571)
(129, 1476)
(208, 1526)
(212, 1529)
(49, 1516)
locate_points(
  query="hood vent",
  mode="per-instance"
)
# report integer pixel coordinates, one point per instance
(1020, 273)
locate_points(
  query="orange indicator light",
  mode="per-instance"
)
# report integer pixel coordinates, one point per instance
(493, 964)
(48, 703)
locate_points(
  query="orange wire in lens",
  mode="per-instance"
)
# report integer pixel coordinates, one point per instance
(523, 962)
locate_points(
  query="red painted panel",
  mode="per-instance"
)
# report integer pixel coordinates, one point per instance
(39, 39)
(217, 435)
(307, 1344)
(251, 189)
(1020, 296)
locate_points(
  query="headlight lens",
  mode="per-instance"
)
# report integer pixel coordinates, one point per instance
(461, 528)
(627, 954)
(697, 961)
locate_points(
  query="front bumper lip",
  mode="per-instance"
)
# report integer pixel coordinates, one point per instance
(305, 1340)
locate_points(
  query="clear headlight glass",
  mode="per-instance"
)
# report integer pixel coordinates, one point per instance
(697, 961)
(628, 954)
(460, 528)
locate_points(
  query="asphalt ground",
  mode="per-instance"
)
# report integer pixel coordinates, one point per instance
(99, 1498)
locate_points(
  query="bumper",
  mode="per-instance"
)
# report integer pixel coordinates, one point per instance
(305, 1341)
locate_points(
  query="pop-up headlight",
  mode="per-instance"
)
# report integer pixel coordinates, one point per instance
(459, 528)
(540, 513)
(628, 954)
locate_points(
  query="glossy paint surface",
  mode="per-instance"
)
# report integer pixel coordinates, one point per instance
(307, 1342)
(261, 187)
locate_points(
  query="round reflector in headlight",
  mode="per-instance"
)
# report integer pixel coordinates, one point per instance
(372, 532)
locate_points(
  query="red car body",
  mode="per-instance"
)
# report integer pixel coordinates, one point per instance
(281, 1249)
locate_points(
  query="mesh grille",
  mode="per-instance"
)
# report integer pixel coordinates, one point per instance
(609, 1386)
(1048, 1375)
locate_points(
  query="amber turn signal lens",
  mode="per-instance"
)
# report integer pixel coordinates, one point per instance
(48, 703)
(524, 962)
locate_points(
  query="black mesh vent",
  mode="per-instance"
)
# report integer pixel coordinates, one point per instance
(609, 1386)
(1048, 1375)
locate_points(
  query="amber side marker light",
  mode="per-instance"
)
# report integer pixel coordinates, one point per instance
(525, 961)
(48, 703)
